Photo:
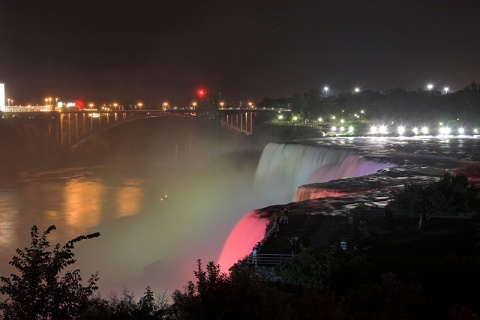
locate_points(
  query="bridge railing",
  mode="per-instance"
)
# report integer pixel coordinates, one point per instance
(268, 259)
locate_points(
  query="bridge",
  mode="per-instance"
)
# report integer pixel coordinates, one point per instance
(72, 126)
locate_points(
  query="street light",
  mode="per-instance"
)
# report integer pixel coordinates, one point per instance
(446, 89)
(115, 105)
(357, 90)
(222, 104)
(429, 86)
(326, 91)
(165, 105)
(140, 105)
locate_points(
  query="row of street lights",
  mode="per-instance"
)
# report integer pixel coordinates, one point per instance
(431, 86)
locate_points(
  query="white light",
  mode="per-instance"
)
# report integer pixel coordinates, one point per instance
(383, 129)
(475, 131)
(342, 121)
(429, 86)
(320, 119)
(446, 89)
(342, 129)
(295, 118)
(373, 130)
(444, 130)
(280, 117)
(425, 130)
(401, 130)
(334, 128)
(415, 130)
(350, 129)
(461, 131)
(357, 89)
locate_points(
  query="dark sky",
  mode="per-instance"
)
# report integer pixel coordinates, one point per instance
(163, 50)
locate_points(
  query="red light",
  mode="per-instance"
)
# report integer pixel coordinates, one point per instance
(201, 93)
(78, 103)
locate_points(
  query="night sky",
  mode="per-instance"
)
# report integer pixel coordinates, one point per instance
(163, 50)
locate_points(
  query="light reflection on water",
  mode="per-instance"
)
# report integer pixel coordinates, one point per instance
(153, 226)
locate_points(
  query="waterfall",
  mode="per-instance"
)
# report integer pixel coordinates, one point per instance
(282, 168)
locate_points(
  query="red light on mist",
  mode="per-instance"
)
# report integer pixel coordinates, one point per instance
(246, 233)
(78, 103)
(201, 93)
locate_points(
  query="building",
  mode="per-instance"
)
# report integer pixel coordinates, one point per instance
(2, 97)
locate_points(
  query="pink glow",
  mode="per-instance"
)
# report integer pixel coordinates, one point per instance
(248, 231)
(307, 193)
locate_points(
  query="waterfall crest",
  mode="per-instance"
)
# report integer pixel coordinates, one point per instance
(285, 166)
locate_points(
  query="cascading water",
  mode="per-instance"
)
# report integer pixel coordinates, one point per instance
(282, 168)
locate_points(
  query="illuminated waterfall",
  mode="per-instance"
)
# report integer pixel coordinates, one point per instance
(282, 168)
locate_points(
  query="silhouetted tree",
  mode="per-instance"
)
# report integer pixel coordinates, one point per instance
(215, 295)
(40, 291)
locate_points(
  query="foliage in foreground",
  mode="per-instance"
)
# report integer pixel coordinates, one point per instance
(450, 195)
(334, 285)
(40, 291)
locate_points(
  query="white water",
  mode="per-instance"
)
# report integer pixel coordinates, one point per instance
(282, 168)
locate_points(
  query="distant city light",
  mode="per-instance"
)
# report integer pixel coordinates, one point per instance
(425, 130)
(429, 86)
(461, 130)
(415, 130)
(357, 90)
(334, 128)
(444, 130)
(401, 130)
(446, 89)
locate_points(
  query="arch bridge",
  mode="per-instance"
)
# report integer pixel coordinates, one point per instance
(71, 127)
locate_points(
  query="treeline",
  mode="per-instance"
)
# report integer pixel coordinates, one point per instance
(333, 285)
(396, 104)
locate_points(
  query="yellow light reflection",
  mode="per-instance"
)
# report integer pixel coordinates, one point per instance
(83, 203)
(129, 198)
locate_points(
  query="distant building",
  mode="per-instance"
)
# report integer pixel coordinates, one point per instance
(2, 97)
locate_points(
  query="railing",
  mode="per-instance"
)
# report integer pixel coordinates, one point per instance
(268, 259)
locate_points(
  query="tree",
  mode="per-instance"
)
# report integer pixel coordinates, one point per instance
(40, 291)
(216, 295)
(388, 299)
(450, 195)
